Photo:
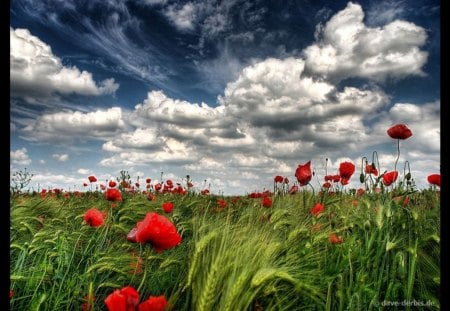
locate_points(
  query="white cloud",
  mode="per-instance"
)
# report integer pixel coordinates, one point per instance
(84, 171)
(348, 48)
(20, 157)
(66, 126)
(36, 72)
(183, 17)
(60, 157)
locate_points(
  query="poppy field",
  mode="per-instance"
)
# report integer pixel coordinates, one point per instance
(166, 246)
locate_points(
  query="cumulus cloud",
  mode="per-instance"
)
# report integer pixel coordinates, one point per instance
(60, 157)
(70, 125)
(349, 48)
(36, 72)
(20, 157)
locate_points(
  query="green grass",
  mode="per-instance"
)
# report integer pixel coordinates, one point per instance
(242, 257)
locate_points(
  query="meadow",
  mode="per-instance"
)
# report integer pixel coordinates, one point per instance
(264, 251)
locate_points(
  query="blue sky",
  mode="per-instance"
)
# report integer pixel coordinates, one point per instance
(229, 92)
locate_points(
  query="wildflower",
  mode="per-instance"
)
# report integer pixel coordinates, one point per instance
(317, 209)
(303, 173)
(157, 230)
(326, 184)
(346, 170)
(389, 178)
(371, 169)
(221, 203)
(278, 179)
(112, 184)
(434, 179)
(335, 239)
(360, 192)
(124, 299)
(399, 131)
(154, 303)
(92, 179)
(293, 189)
(266, 202)
(113, 194)
(93, 217)
(148, 180)
(168, 207)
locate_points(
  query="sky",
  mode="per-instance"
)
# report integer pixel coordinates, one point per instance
(231, 93)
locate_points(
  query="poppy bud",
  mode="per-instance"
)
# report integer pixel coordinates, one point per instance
(361, 178)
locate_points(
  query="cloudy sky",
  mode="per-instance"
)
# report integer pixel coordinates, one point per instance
(231, 93)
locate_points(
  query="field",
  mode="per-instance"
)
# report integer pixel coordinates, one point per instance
(332, 250)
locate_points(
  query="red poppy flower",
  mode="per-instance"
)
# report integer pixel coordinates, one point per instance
(204, 192)
(93, 217)
(317, 209)
(154, 303)
(148, 180)
(158, 187)
(303, 173)
(335, 239)
(389, 178)
(360, 192)
(399, 131)
(346, 170)
(85, 184)
(112, 184)
(168, 207)
(125, 299)
(326, 184)
(11, 293)
(157, 230)
(293, 189)
(434, 179)
(92, 179)
(278, 179)
(266, 202)
(114, 195)
(137, 185)
(371, 169)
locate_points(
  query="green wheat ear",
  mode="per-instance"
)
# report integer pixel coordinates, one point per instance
(199, 247)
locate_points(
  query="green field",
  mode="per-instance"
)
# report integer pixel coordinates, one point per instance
(242, 256)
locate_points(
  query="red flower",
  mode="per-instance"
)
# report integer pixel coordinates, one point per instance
(266, 202)
(346, 170)
(157, 230)
(11, 293)
(125, 299)
(190, 185)
(360, 192)
(326, 184)
(334, 239)
(317, 209)
(293, 189)
(434, 179)
(137, 185)
(154, 303)
(204, 192)
(148, 180)
(112, 184)
(85, 184)
(278, 179)
(93, 217)
(399, 131)
(389, 178)
(303, 173)
(114, 195)
(158, 187)
(168, 207)
(371, 169)
(92, 179)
